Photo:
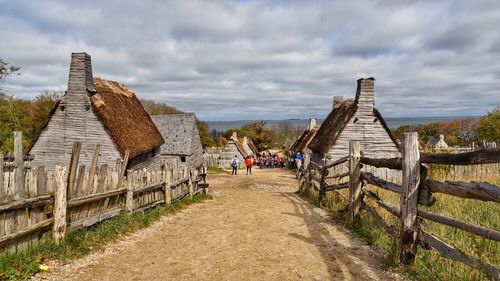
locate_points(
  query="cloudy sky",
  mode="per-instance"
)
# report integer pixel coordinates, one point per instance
(228, 60)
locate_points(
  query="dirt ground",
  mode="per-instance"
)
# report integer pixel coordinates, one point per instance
(255, 228)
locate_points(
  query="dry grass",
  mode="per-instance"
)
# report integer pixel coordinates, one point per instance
(429, 265)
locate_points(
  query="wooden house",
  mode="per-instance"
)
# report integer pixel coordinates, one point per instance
(437, 143)
(249, 147)
(354, 120)
(182, 138)
(232, 148)
(95, 111)
(300, 144)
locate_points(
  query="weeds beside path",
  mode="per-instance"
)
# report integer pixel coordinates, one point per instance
(255, 228)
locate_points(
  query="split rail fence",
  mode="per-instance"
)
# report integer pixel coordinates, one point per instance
(36, 203)
(416, 189)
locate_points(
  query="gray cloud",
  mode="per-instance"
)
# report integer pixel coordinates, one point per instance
(263, 59)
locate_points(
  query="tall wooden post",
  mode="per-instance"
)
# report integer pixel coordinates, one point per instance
(73, 167)
(322, 192)
(167, 178)
(190, 183)
(409, 197)
(129, 200)
(354, 180)
(18, 166)
(60, 205)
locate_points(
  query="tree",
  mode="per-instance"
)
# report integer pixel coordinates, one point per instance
(488, 127)
(206, 139)
(261, 136)
(158, 108)
(6, 70)
(286, 134)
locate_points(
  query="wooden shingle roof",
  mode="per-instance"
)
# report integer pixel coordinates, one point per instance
(179, 131)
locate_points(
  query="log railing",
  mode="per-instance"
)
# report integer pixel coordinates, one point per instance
(35, 202)
(416, 189)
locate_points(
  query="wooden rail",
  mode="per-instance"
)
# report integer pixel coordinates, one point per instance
(416, 189)
(34, 201)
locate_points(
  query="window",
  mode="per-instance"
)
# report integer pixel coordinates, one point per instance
(183, 159)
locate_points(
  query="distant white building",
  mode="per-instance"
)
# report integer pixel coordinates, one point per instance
(437, 143)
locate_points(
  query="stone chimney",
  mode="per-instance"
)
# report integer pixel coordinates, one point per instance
(312, 123)
(234, 137)
(245, 140)
(364, 94)
(441, 137)
(80, 75)
(337, 100)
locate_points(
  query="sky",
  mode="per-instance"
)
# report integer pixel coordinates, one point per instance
(237, 60)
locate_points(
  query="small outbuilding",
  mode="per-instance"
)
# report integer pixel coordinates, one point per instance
(232, 148)
(95, 111)
(300, 144)
(354, 120)
(437, 143)
(182, 138)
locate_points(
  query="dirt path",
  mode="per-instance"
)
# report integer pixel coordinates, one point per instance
(256, 228)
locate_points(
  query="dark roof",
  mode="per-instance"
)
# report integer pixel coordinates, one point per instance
(124, 117)
(179, 131)
(335, 123)
(305, 138)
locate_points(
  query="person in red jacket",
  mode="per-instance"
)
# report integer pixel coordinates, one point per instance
(249, 163)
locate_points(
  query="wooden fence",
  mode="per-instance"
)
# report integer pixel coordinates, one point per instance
(37, 204)
(416, 189)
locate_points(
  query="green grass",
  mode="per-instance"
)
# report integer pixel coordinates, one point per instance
(429, 265)
(78, 243)
(215, 170)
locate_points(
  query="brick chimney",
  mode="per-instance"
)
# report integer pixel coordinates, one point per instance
(364, 94)
(312, 123)
(80, 75)
(337, 100)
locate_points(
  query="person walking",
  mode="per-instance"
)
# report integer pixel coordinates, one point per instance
(248, 164)
(298, 160)
(234, 165)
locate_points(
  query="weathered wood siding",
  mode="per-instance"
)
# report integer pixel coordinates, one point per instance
(195, 160)
(227, 155)
(375, 142)
(73, 121)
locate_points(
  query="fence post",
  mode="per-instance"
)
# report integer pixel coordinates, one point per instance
(73, 167)
(129, 200)
(409, 197)
(60, 205)
(167, 178)
(18, 166)
(322, 192)
(190, 183)
(354, 180)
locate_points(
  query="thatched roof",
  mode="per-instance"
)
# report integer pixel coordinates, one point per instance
(335, 123)
(180, 132)
(304, 139)
(238, 146)
(250, 144)
(124, 117)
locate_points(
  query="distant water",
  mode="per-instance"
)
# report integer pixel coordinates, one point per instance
(393, 122)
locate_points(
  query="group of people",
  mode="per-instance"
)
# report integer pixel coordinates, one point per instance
(263, 161)
(271, 161)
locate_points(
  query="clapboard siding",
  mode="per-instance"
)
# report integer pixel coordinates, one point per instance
(227, 155)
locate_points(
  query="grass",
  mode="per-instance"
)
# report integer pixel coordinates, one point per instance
(429, 265)
(78, 243)
(215, 170)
